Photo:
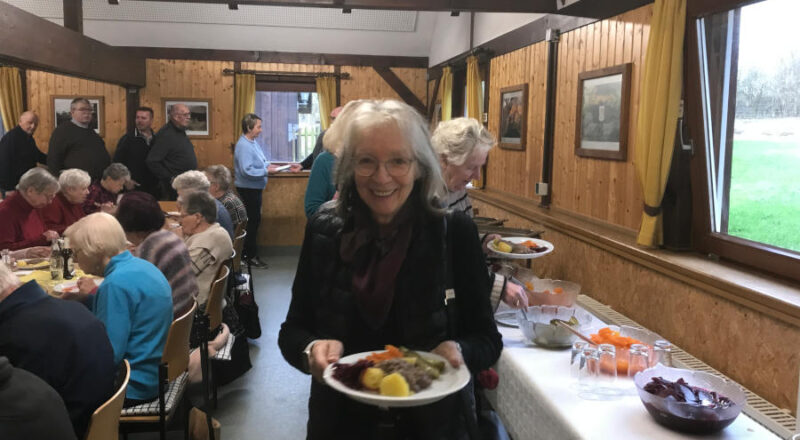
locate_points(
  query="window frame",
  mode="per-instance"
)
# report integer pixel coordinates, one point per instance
(758, 255)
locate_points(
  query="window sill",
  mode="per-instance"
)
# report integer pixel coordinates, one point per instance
(772, 296)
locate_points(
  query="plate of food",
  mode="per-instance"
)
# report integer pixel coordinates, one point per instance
(520, 248)
(396, 377)
(72, 286)
(33, 263)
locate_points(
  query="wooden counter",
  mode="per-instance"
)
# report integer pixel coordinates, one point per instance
(283, 219)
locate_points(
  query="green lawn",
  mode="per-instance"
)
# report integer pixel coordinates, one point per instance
(765, 192)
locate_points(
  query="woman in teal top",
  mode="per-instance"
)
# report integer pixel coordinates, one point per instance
(134, 300)
(320, 187)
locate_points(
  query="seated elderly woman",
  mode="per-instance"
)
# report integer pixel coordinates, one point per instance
(197, 181)
(320, 188)
(219, 178)
(103, 194)
(21, 223)
(137, 333)
(371, 273)
(209, 245)
(142, 219)
(67, 207)
(462, 145)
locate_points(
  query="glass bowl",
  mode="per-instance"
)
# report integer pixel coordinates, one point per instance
(544, 291)
(647, 338)
(687, 417)
(538, 329)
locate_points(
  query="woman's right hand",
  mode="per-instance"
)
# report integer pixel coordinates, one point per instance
(323, 353)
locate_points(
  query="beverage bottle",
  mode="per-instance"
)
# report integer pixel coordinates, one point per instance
(66, 255)
(56, 264)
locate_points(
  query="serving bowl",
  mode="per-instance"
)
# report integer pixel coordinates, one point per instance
(703, 418)
(538, 329)
(547, 292)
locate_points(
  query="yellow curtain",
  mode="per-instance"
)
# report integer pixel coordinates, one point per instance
(10, 96)
(326, 92)
(446, 94)
(658, 112)
(474, 95)
(244, 100)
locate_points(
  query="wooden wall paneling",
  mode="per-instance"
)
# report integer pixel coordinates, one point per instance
(42, 86)
(365, 83)
(414, 79)
(537, 107)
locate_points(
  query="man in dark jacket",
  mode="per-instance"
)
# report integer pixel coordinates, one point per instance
(59, 341)
(172, 152)
(30, 408)
(133, 148)
(75, 144)
(18, 151)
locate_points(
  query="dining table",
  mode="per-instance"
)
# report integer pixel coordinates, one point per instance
(46, 281)
(536, 398)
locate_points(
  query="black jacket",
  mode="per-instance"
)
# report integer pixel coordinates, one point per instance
(62, 343)
(323, 307)
(29, 408)
(171, 153)
(308, 162)
(72, 146)
(132, 151)
(18, 154)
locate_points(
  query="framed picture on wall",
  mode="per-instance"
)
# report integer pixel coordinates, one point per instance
(61, 111)
(200, 115)
(513, 116)
(601, 128)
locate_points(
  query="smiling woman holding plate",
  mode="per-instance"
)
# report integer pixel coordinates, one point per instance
(374, 271)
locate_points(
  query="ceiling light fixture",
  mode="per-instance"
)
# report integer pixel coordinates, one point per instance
(233, 6)
(347, 11)
(455, 13)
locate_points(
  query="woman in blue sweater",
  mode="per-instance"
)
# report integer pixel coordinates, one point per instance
(134, 301)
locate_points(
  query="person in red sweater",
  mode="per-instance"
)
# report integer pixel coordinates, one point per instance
(67, 207)
(103, 193)
(21, 223)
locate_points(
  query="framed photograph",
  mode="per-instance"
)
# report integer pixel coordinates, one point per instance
(513, 116)
(200, 108)
(61, 112)
(601, 128)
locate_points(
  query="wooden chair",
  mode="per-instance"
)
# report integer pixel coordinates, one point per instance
(214, 313)
(172, 379)
(104, 424)
(238, 247)
(239, 228)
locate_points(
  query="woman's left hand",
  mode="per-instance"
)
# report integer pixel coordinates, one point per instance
(450, 351)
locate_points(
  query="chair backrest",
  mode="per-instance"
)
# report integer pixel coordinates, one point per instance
(238, 246)
(104, 424)
(176, 350)
(238, 228)
(214, 303)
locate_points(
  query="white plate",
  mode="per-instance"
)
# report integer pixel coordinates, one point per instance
(173, 213)
(507, 318)
(72, 286)
(538, 241)
(450, 381)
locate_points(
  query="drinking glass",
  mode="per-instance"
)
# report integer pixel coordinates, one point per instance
(638, 360)
(588, 368)
(662, 352)
(6, 255)
(577, 360)
(607, 371)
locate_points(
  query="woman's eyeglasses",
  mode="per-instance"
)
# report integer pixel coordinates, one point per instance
(367, 166)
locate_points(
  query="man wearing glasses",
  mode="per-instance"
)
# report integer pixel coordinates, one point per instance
(75, 144)
(172, 153)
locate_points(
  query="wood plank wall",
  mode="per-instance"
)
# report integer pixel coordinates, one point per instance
(365, 83)
(195, 79)
(42, 86)
(602, 189)
(517, 171)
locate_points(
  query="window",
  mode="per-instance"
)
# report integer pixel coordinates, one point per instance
(748, 73)
(290, 124)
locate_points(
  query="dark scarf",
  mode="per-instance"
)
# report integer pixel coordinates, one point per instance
(376, 254)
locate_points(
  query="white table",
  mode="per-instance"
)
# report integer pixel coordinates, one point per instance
(536, 399)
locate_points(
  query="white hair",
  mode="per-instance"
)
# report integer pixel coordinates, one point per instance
(334, 136)
(97, 235)
(193, 180)
(39, 179)
(456, 139)
(74, 178)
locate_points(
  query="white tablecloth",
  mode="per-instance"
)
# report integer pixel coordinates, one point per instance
(536, 399)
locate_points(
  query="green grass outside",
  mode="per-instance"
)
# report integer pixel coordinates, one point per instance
(765, 192)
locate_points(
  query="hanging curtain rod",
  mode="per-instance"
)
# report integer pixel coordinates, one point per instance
(294, 74)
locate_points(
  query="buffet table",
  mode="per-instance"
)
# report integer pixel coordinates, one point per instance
(536, 399)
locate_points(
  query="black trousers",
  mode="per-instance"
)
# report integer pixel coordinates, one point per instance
(252, 204)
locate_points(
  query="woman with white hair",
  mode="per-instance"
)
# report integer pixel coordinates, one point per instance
(21, 223)
(219, 177)
(462, 145)
(372, 272)
(134, 300)
(194, 180)
(67, 207)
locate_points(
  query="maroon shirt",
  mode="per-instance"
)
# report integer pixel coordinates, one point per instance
(21, 226)
(61, 213)
(97, 196)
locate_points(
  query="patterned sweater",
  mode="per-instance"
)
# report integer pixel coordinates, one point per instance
(168, 252)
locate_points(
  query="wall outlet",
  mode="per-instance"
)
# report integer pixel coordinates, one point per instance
(541, 189)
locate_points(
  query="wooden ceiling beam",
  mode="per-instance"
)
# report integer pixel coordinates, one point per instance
(531, 6)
